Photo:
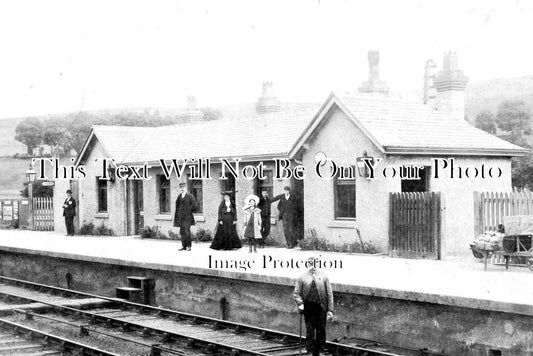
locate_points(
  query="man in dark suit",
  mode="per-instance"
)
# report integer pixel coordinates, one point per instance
(264, 205)
(314, 298)
(289, 213)
(183, 218)
(69, 212)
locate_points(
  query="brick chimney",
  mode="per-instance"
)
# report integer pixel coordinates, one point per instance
(450, 84)
(374, 84)
(430, 94)
(267, 102)
(191, 113)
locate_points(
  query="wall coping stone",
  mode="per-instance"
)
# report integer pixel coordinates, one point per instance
(448, 300)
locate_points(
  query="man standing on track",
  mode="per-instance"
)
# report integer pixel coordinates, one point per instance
(314, 298)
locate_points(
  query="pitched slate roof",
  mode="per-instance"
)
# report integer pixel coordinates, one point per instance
(393, 124)
(117, 141)
(397, 125)
(241, 132)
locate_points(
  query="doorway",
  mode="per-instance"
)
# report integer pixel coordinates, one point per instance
(138, 206)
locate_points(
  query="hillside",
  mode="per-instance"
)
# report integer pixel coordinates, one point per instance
(489, 94)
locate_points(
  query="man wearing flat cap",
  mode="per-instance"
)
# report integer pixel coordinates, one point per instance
(289, 212)
(183, 218)
(314, 298)
(69, 212)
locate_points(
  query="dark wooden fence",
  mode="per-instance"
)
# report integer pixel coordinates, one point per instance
(43, 214)
(414, 225)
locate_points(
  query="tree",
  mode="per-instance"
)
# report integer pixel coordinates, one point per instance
(29, 132)
(56, 135)
(514, 117)
(210, 113)
(78, 126)
(39, 190)
(522, 168)
(485, 121)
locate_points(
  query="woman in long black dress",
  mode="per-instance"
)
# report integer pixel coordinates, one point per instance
(226, 237)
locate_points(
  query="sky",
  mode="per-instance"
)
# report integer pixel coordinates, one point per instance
(62, 56)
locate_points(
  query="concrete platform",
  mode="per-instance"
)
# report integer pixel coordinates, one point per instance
(461, 283)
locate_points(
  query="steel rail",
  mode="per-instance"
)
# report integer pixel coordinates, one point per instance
(192, 341)
(333, 347)
(84, 329)
(63, 343)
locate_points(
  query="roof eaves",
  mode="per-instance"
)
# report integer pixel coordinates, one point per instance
(456, 151)
(332, 99)
(243, 159)
(92, 134)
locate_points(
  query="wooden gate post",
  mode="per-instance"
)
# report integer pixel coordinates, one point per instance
(478, 214)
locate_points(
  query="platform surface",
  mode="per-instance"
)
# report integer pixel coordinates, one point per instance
(461, 283)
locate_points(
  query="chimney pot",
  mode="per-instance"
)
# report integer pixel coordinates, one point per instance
(374, 84)
(450, 84)
(191, 113)
(267, 103)
(191, 102)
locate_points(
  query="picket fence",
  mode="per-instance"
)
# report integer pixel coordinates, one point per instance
(43, 214)
(491, 207)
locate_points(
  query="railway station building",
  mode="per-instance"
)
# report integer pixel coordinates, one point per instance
(373, 137)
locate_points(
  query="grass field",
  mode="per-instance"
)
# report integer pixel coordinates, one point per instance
(12, 175)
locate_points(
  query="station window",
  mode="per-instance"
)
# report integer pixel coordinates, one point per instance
(195, 188)
(416, 185)
(344, 197)
(163, 189)
(102, 194)
(228, 184)
(267, 183)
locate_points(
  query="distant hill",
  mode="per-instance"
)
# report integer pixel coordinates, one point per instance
(480, 96)
(489, 94)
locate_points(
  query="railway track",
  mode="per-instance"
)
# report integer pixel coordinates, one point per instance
(158, 331)
(17, 339)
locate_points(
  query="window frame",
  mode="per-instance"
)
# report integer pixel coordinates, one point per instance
(336, 209)
(425, 178)
(164, 192)
(102, 186)
(260, 183)
(192, 189)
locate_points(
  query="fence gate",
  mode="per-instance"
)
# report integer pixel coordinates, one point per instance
(43, 214)
(414, 225)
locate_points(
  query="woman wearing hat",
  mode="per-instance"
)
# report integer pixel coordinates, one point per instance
(226, 237)
(252, 221)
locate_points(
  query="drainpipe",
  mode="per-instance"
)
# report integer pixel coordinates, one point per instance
(126, 206)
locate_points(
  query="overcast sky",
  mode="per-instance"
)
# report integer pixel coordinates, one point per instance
(58, 56)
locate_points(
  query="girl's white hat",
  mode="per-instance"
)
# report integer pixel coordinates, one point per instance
(251, 197)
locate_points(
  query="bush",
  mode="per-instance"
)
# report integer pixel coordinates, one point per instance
(275, 239)
(90, 229)
(153, 232)
(173, 236)
(203, 235)
(87, 229)
(313, 241)
(146, 232)
(103, 230)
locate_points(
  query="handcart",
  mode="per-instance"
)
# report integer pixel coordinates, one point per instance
(512, 240)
